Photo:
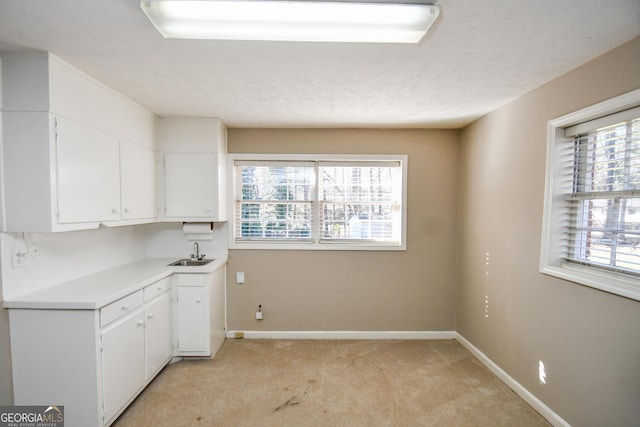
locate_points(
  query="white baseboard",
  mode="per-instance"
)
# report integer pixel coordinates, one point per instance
(348, 335)
(525, 394)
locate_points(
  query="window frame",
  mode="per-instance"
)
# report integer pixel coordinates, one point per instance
(551, 259)
(316, 245)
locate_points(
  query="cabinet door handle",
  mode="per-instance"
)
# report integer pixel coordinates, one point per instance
(115, 211)
(198, 300)
(126, 210)
(125, 306)
(140, 323)
(150, 316)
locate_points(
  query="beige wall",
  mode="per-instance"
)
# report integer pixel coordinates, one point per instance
(412, 290)
(588, 340)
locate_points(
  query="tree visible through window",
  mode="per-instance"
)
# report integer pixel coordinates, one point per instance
(591, 222)
(359, 202)
(276, 202)
(605, 202)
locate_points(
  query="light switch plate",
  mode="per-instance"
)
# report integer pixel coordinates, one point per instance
(240, 277)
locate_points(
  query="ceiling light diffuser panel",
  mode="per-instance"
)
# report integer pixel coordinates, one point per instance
(307, 21)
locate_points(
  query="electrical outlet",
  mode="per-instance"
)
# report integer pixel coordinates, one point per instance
(34, 250)
(238, 335)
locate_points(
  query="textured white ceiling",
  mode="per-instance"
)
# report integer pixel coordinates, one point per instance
(479, 55)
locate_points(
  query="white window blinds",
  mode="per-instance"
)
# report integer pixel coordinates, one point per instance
(602, 211)
(360, 201)
(275, 201)
(319, 202)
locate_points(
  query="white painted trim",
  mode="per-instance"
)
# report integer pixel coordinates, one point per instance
(525, 394)
(347, 335)
(314, 246)
(551, 261)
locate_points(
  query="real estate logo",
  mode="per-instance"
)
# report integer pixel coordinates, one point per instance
(32, 416)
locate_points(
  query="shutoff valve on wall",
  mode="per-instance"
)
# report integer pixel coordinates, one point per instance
(21, 251)
(259, 313)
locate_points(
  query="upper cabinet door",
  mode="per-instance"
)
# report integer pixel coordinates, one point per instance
(191, 186)
(88, 174)
(139, 178)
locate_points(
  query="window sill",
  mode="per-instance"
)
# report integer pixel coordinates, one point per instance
(618, 284)
(316, 246)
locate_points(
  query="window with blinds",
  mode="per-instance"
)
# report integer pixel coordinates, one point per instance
(276, 201)
(321, 202)
(591, 217)
(360, 201)
(604, 204)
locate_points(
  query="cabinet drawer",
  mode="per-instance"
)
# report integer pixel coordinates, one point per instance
(153, 290)
(119, 308)
(190, 279)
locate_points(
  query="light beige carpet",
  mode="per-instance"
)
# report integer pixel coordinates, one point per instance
(330, 383)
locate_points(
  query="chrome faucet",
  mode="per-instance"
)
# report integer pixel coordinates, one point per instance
(196, 250)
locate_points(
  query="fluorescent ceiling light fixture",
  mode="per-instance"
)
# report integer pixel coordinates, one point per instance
(315, 21)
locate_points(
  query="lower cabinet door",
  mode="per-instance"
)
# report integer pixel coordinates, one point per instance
(193, 320)
(158, 333)
(123, 361)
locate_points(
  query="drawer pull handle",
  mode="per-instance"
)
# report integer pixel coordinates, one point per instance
(198, 300)
(125, 306)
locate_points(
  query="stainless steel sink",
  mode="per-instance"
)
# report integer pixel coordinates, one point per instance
(189, 262)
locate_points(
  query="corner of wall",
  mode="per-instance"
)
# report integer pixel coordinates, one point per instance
(6, 389)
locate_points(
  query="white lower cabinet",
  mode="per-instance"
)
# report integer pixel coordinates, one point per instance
(94, 362)
(123, 361)
(158, 336)
(200, 313)
(193, 315)
(135, 346)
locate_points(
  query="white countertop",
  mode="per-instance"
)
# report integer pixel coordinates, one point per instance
(102, 288)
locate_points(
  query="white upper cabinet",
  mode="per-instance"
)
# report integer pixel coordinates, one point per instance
(75, 153)
(194, 162)
(191, 182)
(88, 175)
(138, 182)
